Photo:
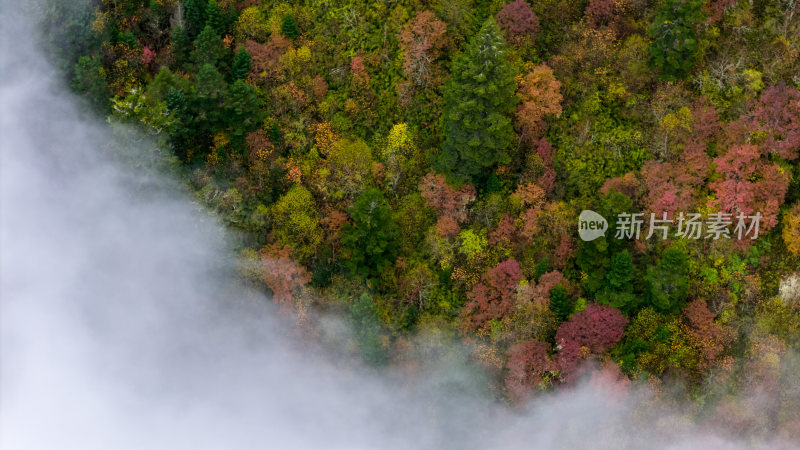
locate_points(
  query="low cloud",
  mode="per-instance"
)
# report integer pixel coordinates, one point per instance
(123, 326)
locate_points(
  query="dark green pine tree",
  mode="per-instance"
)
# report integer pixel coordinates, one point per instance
(209, 83)
(289, 27)
(617, 290)
(372, 239)
(667, 282)
(181, 133)
(675, 48)
(181, 45)
(242, 113)
(242, 63)
(194, 12)
(595, 258)
(176, 102)
(208, 48)
(368, 330)
(209, 118)
(560, 303)
(214, 17)
(90, 81)
(479, 99)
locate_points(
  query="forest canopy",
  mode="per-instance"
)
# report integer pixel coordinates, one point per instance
(422, 165)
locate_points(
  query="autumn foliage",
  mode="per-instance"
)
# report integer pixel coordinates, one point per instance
(777, 116)
(540, 97)
(422, 41)
(750, 184)
(709, 338)
(450, 203)
(591, 331)
(265, 58)
(527, 366)
(518, 20)
(791, 230)
(423, 165)
(601, 12)
(598, 328)
(495, 295)
(283, 275)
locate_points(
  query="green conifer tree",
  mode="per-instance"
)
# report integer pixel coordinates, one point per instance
(242, 112)
(560, 303)
(214, 17)
(181, 45)
(667, 282)
(368, 330)
(90, 81)
(675, 47)
(209, 82)
(208, 48)
(242, 63)
(479, 99)
(289, 27)
(617, 290)
(194, 12)
(372, 238)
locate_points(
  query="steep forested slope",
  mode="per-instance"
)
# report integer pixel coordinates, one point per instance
(422, 166)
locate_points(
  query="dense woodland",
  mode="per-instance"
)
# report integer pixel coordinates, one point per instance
(420, 166)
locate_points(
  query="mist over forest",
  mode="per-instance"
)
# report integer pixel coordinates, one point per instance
(234, 224)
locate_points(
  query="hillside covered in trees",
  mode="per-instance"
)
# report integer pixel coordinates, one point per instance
(420, 167)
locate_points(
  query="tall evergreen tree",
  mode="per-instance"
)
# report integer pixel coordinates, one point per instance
(289, 27)
(208, 48)
(214, 17)
(242, 63)
(242, 112)
(595, 258)
(617, 290)
(560, 303)
(479, 99)
(90, 81)
(667, 282)
(194, 11)
(181, 45)
(372, 239)
(209, 82)
(368, 330)
(181, 133)
(675, 47)
(210, 90)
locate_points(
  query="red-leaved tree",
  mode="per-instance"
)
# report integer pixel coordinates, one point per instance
(670, 188)
(672, 183)
(494, 296)
(591, 331)
(627, 184)
(422, 41)
(601, 12)
(283, 275)
(750, 184)
(504, 234)
(598, 328)
(359, 72)
(528, 363)
(450, 203)
(265, 66)
(540, 97)
(709, 338)
(547, 178)
(777, 114)
(518, 21)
